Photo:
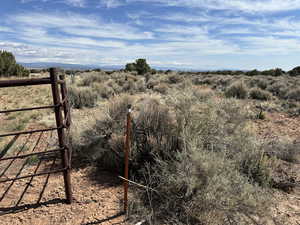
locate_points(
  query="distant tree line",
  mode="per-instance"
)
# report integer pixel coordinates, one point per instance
(9, 66)
(272, 72)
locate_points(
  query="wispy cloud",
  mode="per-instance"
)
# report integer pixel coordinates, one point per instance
(111, 3)
(76, 3)
(251, 6)
(206, 34)
(78, 25)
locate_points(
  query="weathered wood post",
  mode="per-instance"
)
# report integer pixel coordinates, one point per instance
(61, 134)
(127, 150)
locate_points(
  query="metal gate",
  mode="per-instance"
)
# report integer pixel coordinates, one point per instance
(61, 109)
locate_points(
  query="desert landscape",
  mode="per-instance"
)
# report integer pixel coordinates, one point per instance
(162, 112)
(209, 148)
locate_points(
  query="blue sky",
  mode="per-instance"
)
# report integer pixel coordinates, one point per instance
(195, 34)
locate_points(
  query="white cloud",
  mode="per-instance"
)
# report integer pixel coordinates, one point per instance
(76, 3)
(251, 6)
(5, 29)
(111, 3)
(270, 45)
(199, 43)
(78, 25)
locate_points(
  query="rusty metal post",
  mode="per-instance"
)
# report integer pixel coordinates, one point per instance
(66, 104)
(61, 134)
(127, 150)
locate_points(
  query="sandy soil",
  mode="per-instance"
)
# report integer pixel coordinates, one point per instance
(97, 196)
(40, 201)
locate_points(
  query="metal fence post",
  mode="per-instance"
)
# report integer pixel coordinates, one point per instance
(127, 150)
(66, 105)
(61, 134)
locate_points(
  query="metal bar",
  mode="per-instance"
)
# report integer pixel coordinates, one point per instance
(28, 109)
(9, 165)
(12, 183)
(46, 181)
(18, 174)
(127, 149)
(24, 82)
(8, 146)
(35, 171)
(31, 131)
(67, 115)
(31, 154)
(29, 183)
(61, 134)
(34, 175)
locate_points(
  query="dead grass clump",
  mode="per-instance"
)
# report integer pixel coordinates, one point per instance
(80, 97)
(152, 83)
(203, 94)
(161, 88)
(256, 93)
(174, 78)
(237, 90)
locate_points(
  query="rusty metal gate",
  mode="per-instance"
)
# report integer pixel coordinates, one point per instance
(61, 109)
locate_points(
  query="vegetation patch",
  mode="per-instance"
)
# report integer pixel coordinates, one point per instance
(237, 90)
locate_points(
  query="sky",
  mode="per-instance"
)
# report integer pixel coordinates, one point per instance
(183, 34)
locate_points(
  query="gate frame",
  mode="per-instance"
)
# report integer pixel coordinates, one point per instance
(62, 112)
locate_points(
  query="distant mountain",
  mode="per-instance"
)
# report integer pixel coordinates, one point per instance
(42, 65)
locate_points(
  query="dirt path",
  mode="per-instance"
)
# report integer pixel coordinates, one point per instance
(97, 201)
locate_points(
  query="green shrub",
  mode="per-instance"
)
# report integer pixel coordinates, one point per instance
(206, 175)
(9, 67)
(237, 90)
(115, 87)
(130, 67)
(294, 94)
(256, 93)
(197, 155)
(93, 77)
(82, 97)
(140, 65)
(285, 149)
(103, 90)
(295, 71)
(278, 88)
(129, 86)
(140, 85)
(258, 82)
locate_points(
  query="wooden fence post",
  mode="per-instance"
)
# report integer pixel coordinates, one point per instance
(61, 134)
